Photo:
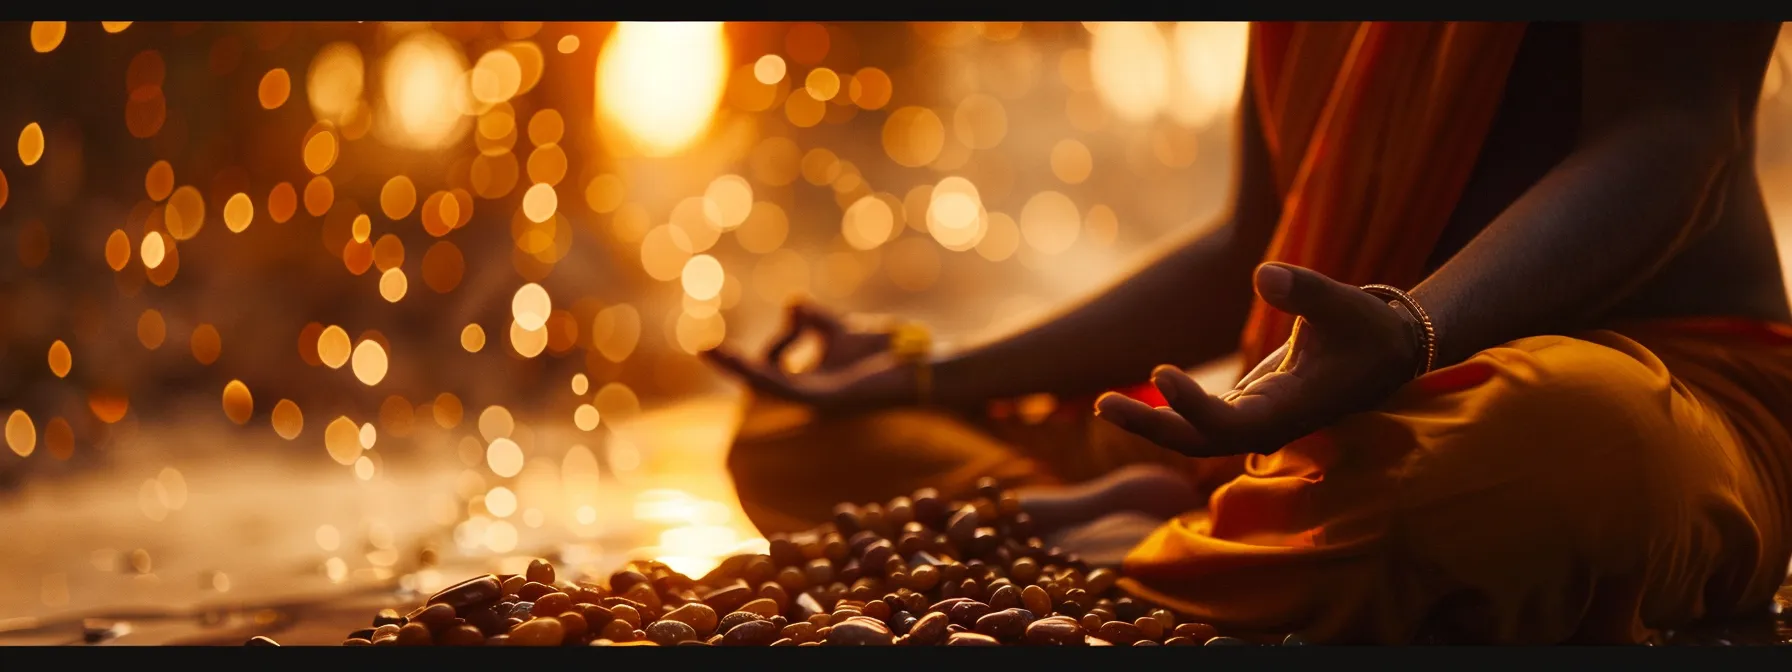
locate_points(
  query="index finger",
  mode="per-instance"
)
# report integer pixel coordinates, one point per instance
(757, 375)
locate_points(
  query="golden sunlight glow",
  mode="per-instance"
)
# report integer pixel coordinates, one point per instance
(334, 84)
(661, 82)
(425, 91)
(1129, 62)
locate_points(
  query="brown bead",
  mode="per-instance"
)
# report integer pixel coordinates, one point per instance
(1036, 600)
(574, 625)
(899, 512)
(1091, 622)
(617, 631)
(415, 634)
(923, 577)
(260, 640)
(698, 615)
(551, 604)
(1005, 625)
(962, 526)
(1100, 581)
(860, 631)
(763, 607)
(1199, 632)
(800, 631)
(728, 598)
(532, 590)
(877, 609)
(1024, 571)
(784, 642)
(667, 632)
(751, 633)
(1055, 631)
(1150, 628)
(473, 592)
(1181, 641)
(971, 639)
(1119, 632)
(596, 616)
(357, 642)
(538, 632)
(776, 593)
(462, 635)
(792, 579)
(930, 629)
(1146, 642)
(644, 594)
(1005, 597)
(627, 614)
(540, 572)
(432, 615)
(967, 612)
(513, 584)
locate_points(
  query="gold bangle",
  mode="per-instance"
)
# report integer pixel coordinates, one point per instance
(1426, 333)
(912, 344)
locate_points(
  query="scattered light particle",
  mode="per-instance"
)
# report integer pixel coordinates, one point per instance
(398, 198)
(472, 338)
(540, 202)
(500, 501)
(206, 344)
(580, 384)
(320, 152)
(769, 69)
(328, 537)
(238, 404)
(567, 44)
(364, 468)
(46, 35)
(343, 440)
(504, 457)
(531, 307)
(21, 434)
(31, 144)
(59, 438)
(275, 87)
(368, 436)
(151, 329)
(118, 249)
(153, 249)
(393, 285)
(238, 213)
(288, 420)
(158, 181)
(115, 26)
(369, 363)
(283, 202)
(60, 359)
(702, 277)
(333, 347)
(585, 418)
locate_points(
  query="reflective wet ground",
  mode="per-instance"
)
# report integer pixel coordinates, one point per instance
(207, 557)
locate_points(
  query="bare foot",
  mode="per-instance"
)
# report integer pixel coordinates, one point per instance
(1151, 490)
(1106, 540)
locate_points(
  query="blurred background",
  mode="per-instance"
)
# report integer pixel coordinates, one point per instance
(298, 318)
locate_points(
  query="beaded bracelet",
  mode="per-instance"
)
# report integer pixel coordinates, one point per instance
(1425, 332)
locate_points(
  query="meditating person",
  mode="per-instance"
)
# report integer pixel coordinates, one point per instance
(1522, 369)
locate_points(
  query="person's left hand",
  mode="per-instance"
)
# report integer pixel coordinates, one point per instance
(1351, 351)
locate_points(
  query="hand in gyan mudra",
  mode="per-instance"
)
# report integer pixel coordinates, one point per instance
(1349, 351)
(856, 368)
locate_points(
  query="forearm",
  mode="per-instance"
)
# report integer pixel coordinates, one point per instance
(1186, 307)
(1583, 237)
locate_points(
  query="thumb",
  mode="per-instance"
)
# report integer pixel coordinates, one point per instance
(1309, 294)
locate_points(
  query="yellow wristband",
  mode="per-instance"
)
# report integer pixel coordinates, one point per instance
(912, 344)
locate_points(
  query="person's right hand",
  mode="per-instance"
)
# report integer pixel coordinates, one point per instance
(856, 371)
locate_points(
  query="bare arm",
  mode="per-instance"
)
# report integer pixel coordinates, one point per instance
(1665, 116)
(1185, 306)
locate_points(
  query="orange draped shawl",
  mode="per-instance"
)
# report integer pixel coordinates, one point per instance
(1373, 130)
